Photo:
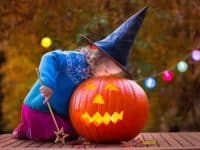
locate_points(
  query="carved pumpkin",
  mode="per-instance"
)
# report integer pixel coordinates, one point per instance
(108, 109)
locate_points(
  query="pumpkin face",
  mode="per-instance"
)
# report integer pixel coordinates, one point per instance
(108, 109)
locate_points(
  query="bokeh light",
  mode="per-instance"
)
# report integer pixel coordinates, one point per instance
(182, 66)
(167, 75)
(196, 55)
(46, 42)
(150, 83)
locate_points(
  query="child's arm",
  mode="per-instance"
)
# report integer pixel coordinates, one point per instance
(51, 63)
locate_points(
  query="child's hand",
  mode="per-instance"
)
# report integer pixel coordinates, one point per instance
(46, 92)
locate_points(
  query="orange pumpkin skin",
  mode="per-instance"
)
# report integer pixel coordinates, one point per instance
(108, 109)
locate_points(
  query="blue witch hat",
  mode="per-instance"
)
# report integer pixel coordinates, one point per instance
(118, 44)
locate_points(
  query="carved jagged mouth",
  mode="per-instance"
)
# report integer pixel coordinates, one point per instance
(98, 119)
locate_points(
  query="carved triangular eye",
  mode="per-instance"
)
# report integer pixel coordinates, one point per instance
(111, 87)
(98, 99)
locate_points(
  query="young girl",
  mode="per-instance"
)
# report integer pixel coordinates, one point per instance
(60, 72)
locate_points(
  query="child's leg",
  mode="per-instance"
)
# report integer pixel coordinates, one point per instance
(20, 131)
(39, 125)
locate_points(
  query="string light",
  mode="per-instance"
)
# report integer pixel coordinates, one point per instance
(150, 83)
(46, 42)
(182, 66)
(196, 55)
(168, 75)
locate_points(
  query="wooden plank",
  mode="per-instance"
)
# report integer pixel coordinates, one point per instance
(25, 144)
(46, 144)
(159, 140)
(8, 142)
(196, 135)
(66, 146)
(170, 140)
(5, 139)
(180, 140)
(16, 143)
(190, 138)
(183, 140)
(85, 144)
(56, 145)
(35, 144)
(3, 136)
(77, 143)
(108, 145)
(89, 146)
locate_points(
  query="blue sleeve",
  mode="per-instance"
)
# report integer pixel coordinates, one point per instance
(50, 64)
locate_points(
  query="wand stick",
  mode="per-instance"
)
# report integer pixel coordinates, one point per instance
(49, 106)
(60, 132)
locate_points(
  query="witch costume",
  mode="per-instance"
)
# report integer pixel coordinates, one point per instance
(63, 71)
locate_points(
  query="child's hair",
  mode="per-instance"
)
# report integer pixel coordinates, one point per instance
(92, 57)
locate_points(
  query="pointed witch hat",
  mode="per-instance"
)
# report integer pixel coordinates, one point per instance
(117, 45)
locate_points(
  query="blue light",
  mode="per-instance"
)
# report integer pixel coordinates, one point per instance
(150, 83)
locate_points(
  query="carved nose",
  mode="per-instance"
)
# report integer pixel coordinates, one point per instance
(98, 99)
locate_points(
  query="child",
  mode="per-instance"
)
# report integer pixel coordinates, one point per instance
(62, 71)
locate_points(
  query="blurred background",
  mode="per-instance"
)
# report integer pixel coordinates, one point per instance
(169, 34)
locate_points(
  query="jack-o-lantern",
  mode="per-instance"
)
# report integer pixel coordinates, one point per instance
(108, 109)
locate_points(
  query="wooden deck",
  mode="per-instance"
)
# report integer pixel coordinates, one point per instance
(153, 141)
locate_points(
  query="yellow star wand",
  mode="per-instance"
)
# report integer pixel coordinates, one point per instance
(60, 135)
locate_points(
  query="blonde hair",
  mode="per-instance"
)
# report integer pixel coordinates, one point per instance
(93, 58)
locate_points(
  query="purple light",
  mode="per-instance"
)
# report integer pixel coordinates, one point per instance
(167, 75)
(196, 55)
